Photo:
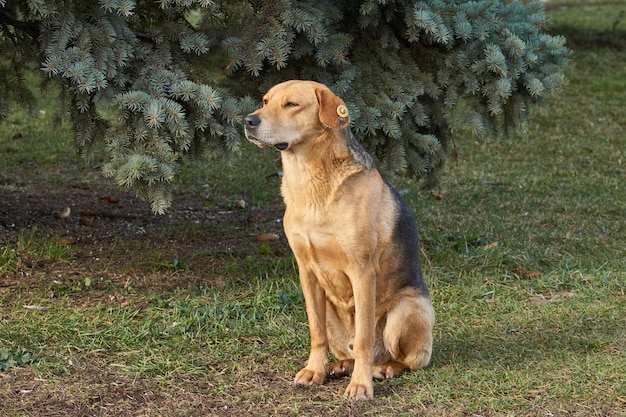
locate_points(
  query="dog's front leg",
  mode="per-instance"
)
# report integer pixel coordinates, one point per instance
(361, 386)
(315, 298)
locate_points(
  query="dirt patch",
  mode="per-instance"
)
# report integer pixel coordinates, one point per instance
(110, 233)
(93, 391)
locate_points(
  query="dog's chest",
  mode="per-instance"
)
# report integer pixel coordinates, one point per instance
(322, 254)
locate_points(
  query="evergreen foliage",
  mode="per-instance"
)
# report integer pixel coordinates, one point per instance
(183, 73)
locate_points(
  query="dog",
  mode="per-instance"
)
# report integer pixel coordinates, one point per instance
(354, 239)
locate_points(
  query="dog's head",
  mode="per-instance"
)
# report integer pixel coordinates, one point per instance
(294, 111)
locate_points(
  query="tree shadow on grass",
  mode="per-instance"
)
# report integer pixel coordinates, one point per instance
(581, 38)
(519, 347)
(586, 39)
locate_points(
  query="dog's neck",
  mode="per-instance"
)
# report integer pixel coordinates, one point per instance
(320, 167)
(359, 153)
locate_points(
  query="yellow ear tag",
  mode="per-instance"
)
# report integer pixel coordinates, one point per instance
(342, 111)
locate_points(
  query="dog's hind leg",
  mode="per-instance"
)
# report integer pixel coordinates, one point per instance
(341, 368)
(340, 330)
(388, 370)
(407, 336)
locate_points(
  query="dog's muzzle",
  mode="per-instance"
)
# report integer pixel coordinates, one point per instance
(251, 123)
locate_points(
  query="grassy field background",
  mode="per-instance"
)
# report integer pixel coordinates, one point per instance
(123, 313)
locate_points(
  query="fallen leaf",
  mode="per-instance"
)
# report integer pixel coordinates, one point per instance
(437, 196)
(254, 217)
(64, 241)
(267, 237)
(64, 214)
(109, 199)
(490, 246)
(526, 273)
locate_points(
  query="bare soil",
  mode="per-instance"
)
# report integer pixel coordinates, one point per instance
(112, 232)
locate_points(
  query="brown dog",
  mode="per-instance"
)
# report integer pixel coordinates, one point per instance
(353, 237)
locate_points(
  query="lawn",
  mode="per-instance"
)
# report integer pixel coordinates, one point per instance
(112, 310)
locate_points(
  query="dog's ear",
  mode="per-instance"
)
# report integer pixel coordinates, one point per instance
(333, 111)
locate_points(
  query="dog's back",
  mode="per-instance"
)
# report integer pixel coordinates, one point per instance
(405, 248)
(407, 240)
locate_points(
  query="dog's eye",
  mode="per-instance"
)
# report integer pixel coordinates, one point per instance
(265, 101)
(291, 104)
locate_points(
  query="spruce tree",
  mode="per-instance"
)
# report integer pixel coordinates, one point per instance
(183, 73)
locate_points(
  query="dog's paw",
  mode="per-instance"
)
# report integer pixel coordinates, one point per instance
(341, 368)
(309, 377)
(383, 372)
(357, 391)
(388, 370)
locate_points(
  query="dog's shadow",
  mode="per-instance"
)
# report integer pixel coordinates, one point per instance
(513, 348)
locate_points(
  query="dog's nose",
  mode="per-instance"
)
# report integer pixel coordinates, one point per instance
(252, 120)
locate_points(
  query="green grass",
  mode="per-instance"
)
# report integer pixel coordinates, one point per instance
(525, 255)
